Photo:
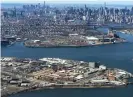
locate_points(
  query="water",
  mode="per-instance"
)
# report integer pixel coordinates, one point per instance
(114, 55)
(115, 92)
(129, 37)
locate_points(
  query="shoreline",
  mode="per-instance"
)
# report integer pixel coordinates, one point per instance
(71, 46)
(47, 78)
(58, 87)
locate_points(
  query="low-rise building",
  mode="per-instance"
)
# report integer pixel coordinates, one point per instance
(102, 67)
(99, 81)
(92, 38)
(24, 83)
(92, 64)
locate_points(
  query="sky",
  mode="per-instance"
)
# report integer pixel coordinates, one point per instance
(127, 2)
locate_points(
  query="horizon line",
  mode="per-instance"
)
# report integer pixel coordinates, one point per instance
(99, 3)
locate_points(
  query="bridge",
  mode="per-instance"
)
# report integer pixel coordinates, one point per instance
(118, 27)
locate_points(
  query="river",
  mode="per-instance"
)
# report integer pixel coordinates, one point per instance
(113, 55)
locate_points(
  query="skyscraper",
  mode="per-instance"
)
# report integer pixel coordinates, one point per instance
(14, 13)
(44, 4)
(44, 7)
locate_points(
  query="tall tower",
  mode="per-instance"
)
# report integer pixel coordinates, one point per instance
(104, 11)
(14, 12)
(104, 7)
(44, 7)
(104, 4)
(44, 4)
(85, 10)
(85, 7)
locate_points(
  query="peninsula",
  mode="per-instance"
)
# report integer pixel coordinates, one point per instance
(27, 74)
(44, 25)
(75, 40)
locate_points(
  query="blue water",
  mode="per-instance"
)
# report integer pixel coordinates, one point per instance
(114, 55)
(115, 92)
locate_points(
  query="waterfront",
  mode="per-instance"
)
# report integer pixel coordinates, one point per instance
(113, 92)
(114, 55)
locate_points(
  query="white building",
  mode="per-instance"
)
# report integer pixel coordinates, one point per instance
(99, 81)
(35, 41)
(24, 84)
(75, 34)
(92, 38)
(102, 67)
(84, 18)
(79, 77)
(117, 82)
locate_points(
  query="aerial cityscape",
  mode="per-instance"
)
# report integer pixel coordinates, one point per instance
(71, 50)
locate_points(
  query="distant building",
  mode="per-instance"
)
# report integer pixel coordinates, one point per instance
(84, 18)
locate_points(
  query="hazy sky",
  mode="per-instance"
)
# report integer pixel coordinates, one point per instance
(71, 1)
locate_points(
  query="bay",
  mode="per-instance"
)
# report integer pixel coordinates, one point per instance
(113, 56)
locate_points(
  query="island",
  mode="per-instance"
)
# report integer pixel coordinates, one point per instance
(75, 40)
(26, 74)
